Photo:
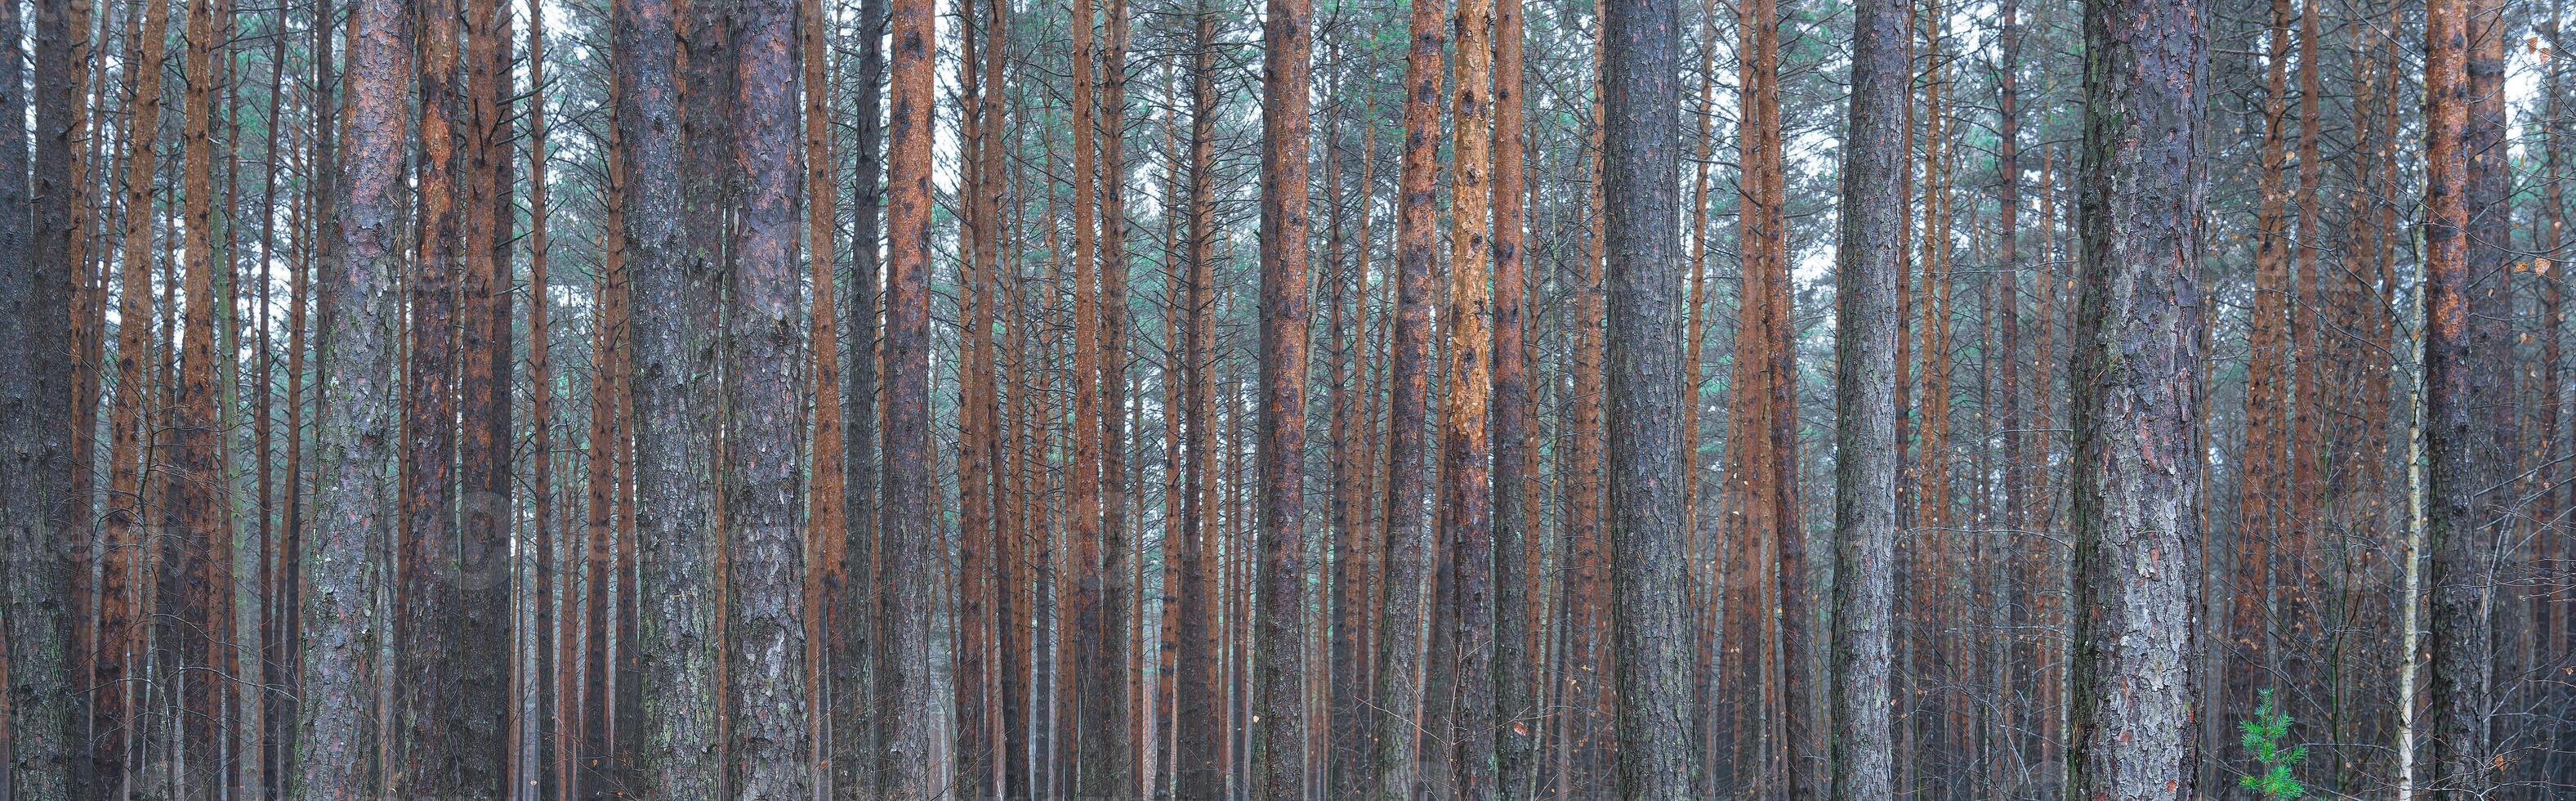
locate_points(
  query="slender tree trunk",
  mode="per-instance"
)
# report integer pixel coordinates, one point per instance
(482, 660)
(66, 189)
(1118, 542)
(856, 623)
(186, 546)
(2137, 478)
(1287, 53)
(1199, 773)
(827, 513)
(915, 767)
(2264, 493)
(427, 689)
(1517, 720)
(551, 772)
(598, 778)
(2453, 531)
(483, 544)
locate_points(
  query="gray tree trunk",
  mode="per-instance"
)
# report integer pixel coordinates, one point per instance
(672, 300)
(343, 558)
(1649, 545)
(2136, 388)
(1863, 751)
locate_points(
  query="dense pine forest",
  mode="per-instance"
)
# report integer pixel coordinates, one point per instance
(1297, 400)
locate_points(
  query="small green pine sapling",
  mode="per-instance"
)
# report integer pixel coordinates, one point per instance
(2265, 735)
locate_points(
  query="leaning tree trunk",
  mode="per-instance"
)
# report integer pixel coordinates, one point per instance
(2137, 395)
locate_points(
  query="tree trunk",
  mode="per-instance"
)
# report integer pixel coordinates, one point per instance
(2137, 477)
(1287, 55)
(1466, 439)
(1641, 124)
(551, 771)
(38, 535)
(1199, 772)
(764, 630)
(336, 742)
(1410, 557)
(483, 631)
(915, 766)
(1863, 751)
(2453, 528)
(1516, 714)
(856, 623)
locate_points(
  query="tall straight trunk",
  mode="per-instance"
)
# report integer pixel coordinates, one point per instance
(1708, 580)
(1287, 70)
(1862, 754)
(671, 268)
(1516, 575)
(853, 632)
(485, 611)
(321, 211)
(550, 772)
(37, 531)
(2264, 493)
(915, 766)
(2308, 429)
(1586, 686)
(608, 356)
(1094, 677)
(190, 513)
(1516, 717)
(976, 626)
(1641, 127)
(335, 745)
(827, 505)
(483, 627)
(1466, 437)
(1010, 718)
(1160, 776)
(257, 720)
(1118, 541)
(1342, 744)
(65, 187)
(1766, 345)
(2137, 478)
(764, 630)
(1410, 549)
(427, 687)
(2453, 530)
(1198, 772)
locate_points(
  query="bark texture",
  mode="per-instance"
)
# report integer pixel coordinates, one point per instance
(1863, 751)
(2137, 391)
(1287, 72)
(342, 560)
(1641, 124)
